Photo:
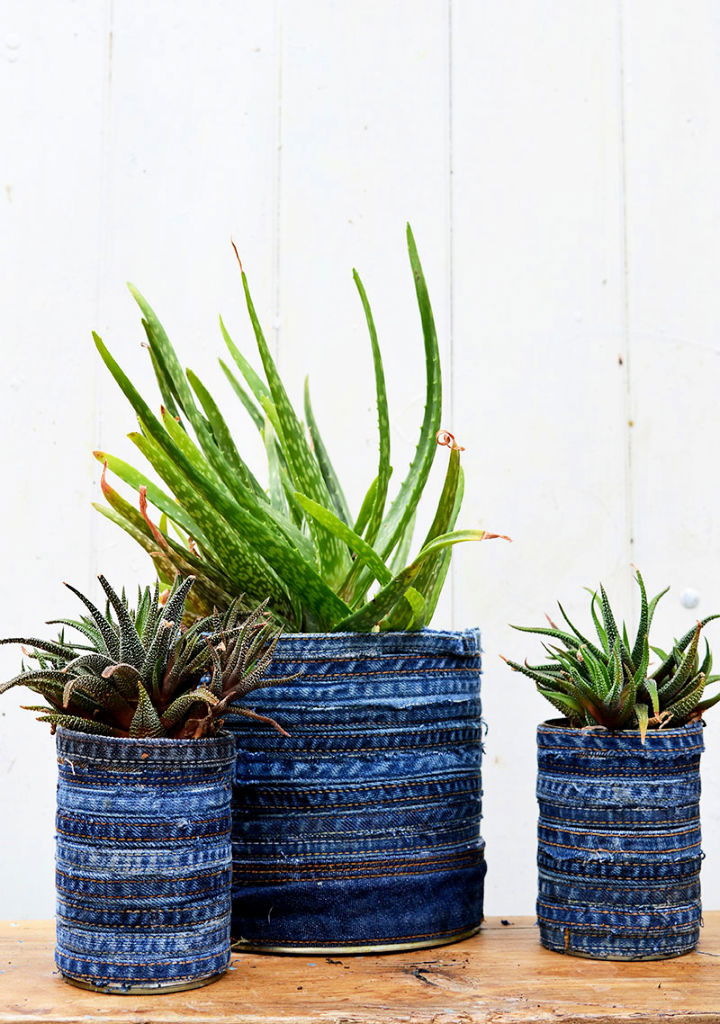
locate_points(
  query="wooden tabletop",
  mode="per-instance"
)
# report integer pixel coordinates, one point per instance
(501, 976)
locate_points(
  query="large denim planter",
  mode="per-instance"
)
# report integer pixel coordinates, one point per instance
(619, 841)
(362, 830)
(143, 861)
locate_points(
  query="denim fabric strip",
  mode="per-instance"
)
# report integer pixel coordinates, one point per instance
(143, 860)
(619, 841)
(362, 828)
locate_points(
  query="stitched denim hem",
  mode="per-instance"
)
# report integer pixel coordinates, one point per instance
(619, 841)
(143, 860)
(363, 828)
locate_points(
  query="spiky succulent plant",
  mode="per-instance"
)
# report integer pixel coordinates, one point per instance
(609, 682)
(294, 540)
(141, 672)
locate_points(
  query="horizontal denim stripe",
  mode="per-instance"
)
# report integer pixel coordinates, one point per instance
(158, 912)
(619, 842)
(378, 786)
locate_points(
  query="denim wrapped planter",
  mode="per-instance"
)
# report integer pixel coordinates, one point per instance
(362, 830)
(143, 861)
(619, 841)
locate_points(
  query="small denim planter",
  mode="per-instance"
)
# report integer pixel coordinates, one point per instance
(143, 861)
(619, 841)
(362, 830)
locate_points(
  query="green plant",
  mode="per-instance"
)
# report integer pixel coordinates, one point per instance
(294, 541)
(609, 683)
(140, 672)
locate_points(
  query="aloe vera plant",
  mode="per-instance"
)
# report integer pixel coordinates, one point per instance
(140, 672)
(294, 539)
(609, 681)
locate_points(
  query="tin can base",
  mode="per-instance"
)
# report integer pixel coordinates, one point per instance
(370, 949)
(160, 989)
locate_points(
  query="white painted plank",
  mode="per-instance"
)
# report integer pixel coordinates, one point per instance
(52, 79)
(673, 155)
(539, 394)
(364, 149)
(191, 163)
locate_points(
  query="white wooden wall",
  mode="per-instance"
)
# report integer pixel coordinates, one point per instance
(559, 161)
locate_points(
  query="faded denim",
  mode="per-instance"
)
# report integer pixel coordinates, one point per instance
(143, 860)
(363, 828)
(619, 841)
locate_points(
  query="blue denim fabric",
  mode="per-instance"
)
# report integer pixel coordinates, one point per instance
(362, 828)
(143, 860)
(619, 841)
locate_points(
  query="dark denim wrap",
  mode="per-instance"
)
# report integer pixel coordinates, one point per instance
(143, 859)
(619, 841)
(363, 828)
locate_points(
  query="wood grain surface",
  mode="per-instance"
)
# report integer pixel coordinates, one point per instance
(500, 976)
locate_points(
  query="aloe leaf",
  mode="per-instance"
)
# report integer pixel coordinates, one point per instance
(562, 701)
(164, 352)
(384, 468)
(413, 485)
(653, 605)
(242, 563)
(366, 508)
(687, 645)
(609, 623)
(164, 383)
(223, 437)
(599, 629)
(401, 554)
(641, 713)
(650, 687)
(211, 508)
(326, 467)
(303, 467)
(364, 551)
(179, 708)
(250, 407)
(688, 702)
(641, 639)
(385, 600)
(256, 384)
(135, 479)
(145, 721)
(79, 724)
(131, 647)
(444, 520)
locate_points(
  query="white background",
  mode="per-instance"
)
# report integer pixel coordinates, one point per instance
(559, 161)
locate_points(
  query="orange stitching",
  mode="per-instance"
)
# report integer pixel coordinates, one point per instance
(427, 860)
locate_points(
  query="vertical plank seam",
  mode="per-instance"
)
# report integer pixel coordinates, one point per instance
(103, 242)
(625, 291)
(451, 263)
(277, 185)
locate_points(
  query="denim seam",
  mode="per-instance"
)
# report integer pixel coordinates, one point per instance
(156, 896)
(617, 928)
(364, 789)
(617, 832)
(310, 868)
(585, 849)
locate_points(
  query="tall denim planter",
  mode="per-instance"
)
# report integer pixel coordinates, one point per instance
(143, 861)
(362, 830)
(619, 842)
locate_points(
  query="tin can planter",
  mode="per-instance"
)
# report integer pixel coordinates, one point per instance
(143, 861)
(361, 832)
(619, 841)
